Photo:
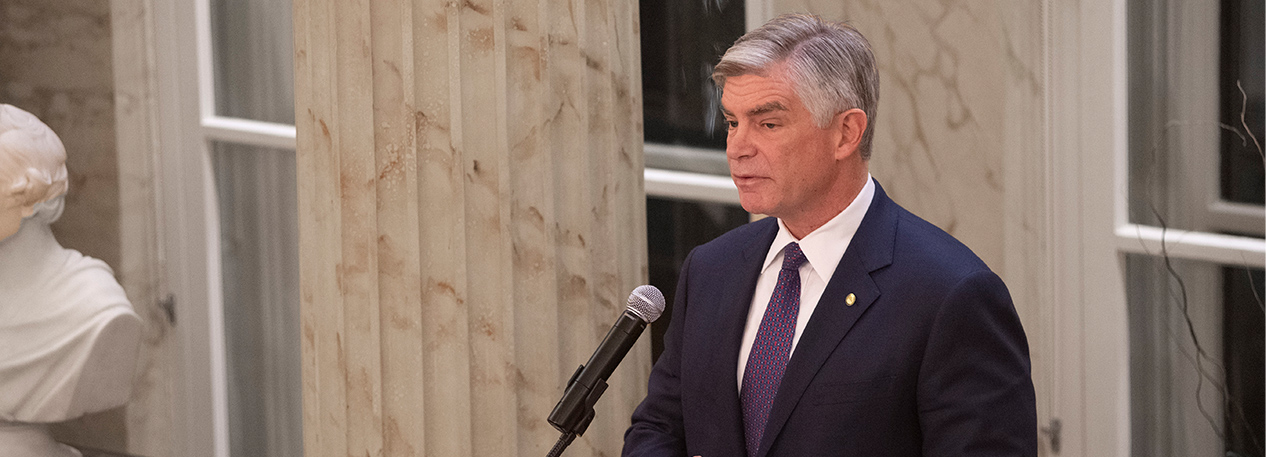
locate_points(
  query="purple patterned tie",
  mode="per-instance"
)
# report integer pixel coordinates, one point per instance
(771, 349)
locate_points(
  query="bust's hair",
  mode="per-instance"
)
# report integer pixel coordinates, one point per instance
(830, 64)
(32, 158)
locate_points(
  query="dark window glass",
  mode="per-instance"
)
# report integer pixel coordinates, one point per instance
(681, 42)
(1172, 132)
(673, 228)
(1243, 344)
(1243, 61)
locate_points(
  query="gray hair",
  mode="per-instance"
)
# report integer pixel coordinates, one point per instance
(829, 63)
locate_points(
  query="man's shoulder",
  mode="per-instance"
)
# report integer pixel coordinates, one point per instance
(929, 248)
(750, 236)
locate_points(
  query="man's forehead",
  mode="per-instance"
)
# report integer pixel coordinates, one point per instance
(757, 96)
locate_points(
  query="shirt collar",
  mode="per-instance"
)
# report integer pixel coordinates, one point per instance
(825, 246)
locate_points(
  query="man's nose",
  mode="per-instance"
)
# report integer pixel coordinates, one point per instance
(737, 144)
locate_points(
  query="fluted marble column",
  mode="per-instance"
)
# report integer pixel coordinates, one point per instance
(471, 220)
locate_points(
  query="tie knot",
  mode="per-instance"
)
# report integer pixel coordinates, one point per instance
(792, 257)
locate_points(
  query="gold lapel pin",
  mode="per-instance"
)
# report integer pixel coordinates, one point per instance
(850, 299)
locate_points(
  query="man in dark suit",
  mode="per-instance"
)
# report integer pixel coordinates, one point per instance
(842, 325)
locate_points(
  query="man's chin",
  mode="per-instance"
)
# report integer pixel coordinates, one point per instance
(753, 205)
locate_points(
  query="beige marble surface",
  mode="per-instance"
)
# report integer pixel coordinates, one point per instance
(961, 136)
(55, 62)
(151, 425)
(471, 220)
(944, 67)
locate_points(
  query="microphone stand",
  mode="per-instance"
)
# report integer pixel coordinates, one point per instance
(574, 411)
(582, 412)
(562, 443)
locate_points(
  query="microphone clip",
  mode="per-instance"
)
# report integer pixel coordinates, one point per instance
(574, 412)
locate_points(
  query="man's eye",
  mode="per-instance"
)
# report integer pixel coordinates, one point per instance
(731, 125)
(769, 125)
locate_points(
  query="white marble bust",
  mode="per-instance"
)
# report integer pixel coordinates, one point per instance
(68, 335)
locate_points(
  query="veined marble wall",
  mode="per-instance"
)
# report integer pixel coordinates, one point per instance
(471, 220)
(961, 136)
(947, 73)
(152, 424)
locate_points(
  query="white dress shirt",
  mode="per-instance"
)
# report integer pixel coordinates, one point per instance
(822, 248)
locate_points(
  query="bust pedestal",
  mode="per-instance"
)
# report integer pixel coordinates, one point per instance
(31, 440)
(68, 335)
(68, 340)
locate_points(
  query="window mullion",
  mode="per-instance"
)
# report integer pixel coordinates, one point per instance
(249, 132)
(1185, 244)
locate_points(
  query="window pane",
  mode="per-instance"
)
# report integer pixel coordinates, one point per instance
(1189, 150)
(1244, 62)
(681, 42)
(1146, 23)
(1196, 344)
(1242, 336)
(259, 227)
(673, 228)
(252, 44)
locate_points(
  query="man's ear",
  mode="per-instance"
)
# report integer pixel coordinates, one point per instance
(851, 125)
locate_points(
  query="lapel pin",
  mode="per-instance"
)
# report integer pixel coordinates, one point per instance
(850, 299)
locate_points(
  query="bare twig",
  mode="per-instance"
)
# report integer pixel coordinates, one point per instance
(1201, 355)
(1253, 286)
(1202, 361)
(1244, 109)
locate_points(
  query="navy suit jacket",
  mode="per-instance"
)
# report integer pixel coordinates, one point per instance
(929, 361)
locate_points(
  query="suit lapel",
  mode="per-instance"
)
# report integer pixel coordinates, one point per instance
(870, 250)
(732, 305)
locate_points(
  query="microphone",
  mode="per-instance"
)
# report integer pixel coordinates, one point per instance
(574, 411)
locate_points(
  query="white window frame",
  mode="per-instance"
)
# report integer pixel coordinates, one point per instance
(188, 215)
(1091, 235)
(685, 185)
(693, 186)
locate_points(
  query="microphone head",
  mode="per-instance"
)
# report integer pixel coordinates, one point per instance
(647, 303)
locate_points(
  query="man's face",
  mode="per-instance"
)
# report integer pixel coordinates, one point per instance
(783, 164)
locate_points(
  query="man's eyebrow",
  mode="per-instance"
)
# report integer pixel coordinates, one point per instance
(765, 108)
(759, 110)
